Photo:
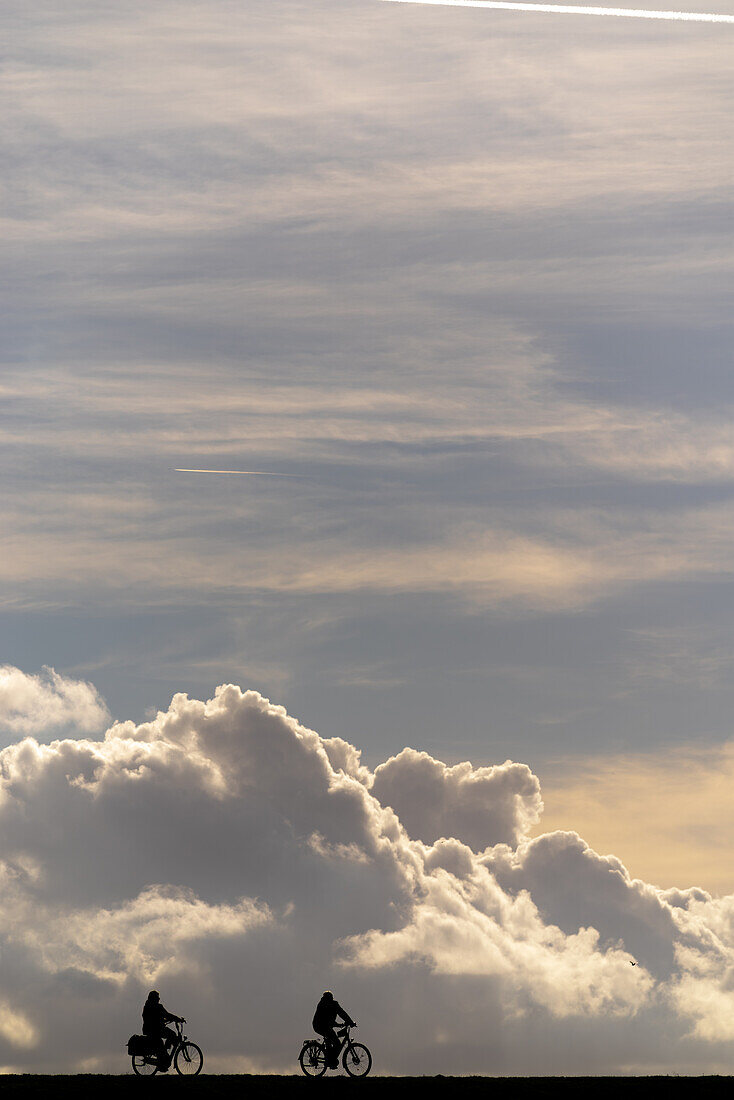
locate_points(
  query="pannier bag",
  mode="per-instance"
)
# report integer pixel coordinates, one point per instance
(140, 1044)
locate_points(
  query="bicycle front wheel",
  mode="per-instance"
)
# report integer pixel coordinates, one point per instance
(189, 1060)
(144, 1065)
(357, 1060)
(312, 1059)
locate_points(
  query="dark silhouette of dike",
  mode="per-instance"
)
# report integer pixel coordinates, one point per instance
(248, 1087)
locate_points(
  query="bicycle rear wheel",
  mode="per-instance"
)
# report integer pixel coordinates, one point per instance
(144, 1065)
(189, 1060)
(312, 1059)
(357, 1060)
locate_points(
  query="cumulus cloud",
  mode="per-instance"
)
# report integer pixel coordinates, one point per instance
(240, 862)
(48, 702)
(481, 806)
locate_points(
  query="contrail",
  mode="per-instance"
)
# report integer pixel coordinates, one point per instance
(255, 473)
(570, 9)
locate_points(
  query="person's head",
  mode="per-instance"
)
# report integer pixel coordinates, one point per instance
(154, 995)
(327, 995)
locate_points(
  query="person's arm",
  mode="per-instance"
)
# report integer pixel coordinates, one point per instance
(345, 1016)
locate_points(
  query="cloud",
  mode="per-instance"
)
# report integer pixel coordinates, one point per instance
(46, 702)
(146, 936)
(253, 297)
(16, 1028)
(480, 806)
(566, 560)
(240, 861)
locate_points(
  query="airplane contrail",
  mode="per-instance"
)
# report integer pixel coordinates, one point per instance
(571, 9)
(255, 473)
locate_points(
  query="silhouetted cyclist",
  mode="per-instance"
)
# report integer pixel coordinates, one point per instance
(324, 1021)
(155, 1018)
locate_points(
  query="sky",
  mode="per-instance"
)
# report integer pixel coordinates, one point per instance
(461, 279)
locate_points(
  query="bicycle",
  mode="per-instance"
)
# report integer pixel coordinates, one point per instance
(356, 1058)
(185, 1056)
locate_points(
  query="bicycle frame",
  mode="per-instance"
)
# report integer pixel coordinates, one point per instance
(342, 1033)
(344, 1037)
(180, 1040)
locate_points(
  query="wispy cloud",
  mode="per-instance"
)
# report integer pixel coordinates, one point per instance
(468, 273)
(564, 560)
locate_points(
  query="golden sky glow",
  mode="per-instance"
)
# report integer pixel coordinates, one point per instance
(669, 816)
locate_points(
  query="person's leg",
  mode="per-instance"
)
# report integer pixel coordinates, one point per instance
(332, 1047)
(168, 1039)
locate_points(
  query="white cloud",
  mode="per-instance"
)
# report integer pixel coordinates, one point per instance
(240, 861)
(481, 806)
(45, 702)
(16, 1028)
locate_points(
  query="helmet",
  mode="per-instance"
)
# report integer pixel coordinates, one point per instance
(154, 995)
(329, 995)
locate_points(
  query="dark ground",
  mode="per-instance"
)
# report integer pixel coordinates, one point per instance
(240, 1087)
